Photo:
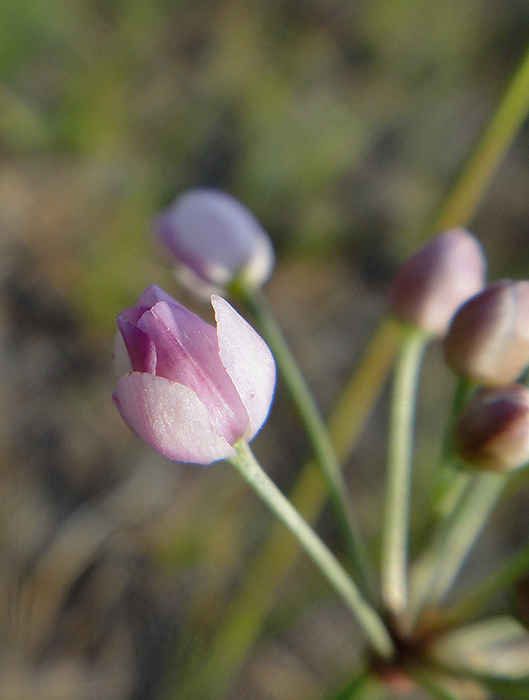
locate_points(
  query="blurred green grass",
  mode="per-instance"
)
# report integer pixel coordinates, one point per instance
(341, 125)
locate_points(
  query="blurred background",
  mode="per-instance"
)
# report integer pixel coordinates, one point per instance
(342, 125)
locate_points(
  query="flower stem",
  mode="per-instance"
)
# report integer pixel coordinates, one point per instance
(459, 535)
(246, 614)
(491, 149)
(396, 521)
(451, 477)
(319, 438)
(474, 601)
(375, 630)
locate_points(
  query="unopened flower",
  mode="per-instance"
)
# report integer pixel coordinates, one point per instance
(194, 391)
(488, 339)
(214, 240)
(492, 432)
(433, 283)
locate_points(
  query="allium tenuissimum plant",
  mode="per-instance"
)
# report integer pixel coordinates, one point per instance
(413, 637)
(198, 394)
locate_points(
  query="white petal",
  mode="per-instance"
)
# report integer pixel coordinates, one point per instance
(170, 417)
(247, 360)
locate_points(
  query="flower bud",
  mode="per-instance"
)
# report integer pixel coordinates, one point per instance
(488, 339)
(434, 282)
(215, 239)
(492, 432)
(194, 390)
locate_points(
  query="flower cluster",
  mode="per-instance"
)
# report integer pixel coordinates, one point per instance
(486, 341)
(198, 393)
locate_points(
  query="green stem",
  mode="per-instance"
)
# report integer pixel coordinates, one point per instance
(424, 570)
(451, 477)
(247, 611)
(319, 438)
(243, 621)
(453, 480)
(467, 522)
(456, 481)
(375, 630)
(397, 511)
(464, 389)
(474, 601)
(491, 149)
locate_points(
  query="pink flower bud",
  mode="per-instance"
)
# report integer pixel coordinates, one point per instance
(488, 340)
(215, 239)
(492, 432)
(434, 282)
(194, 390)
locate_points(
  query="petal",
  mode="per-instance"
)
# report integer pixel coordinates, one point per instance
(186, 346)
(140, 348)
(247, 360)
(187, 353)
(170, 417)
(154, 294)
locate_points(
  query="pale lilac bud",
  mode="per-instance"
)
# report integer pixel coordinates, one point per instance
(492, 431)
(488, 339)
(215, 239)
(433, 283)
(194, 390)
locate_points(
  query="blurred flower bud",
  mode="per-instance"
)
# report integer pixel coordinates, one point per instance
(492, 432)
(488, 339)
(215, 239)
(434, 282)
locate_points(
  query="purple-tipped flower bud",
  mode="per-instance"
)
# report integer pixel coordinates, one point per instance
(215, 239)
(488, 339)
(194, 390)
(434, 282)
(492, 431)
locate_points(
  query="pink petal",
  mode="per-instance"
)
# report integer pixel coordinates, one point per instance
(188, 354)
(247, 360)
(170, 417)
(154, 294)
